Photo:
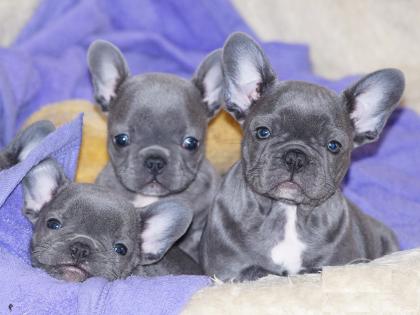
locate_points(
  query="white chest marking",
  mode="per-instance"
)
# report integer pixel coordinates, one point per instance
(288, 252)
(143, 201)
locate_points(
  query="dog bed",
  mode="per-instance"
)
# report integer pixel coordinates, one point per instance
(388, 285)
(384, 179)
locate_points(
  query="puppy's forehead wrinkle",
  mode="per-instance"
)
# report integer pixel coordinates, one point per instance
(301, 100)
(150, 101)
(291, 124)
(149, 119)
(160, 91)
(92, 205)
(106, 219)
(156, 82)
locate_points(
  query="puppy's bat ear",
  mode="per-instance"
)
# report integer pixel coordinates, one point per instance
(29, 138)
(108, 69)
(40, 185)
(208, 78)
(247, 74)
(24, 142)
(163, 223)
(371, 101)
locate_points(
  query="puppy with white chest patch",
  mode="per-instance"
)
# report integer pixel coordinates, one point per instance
(85, 230)
(280, 209)
(156, 130)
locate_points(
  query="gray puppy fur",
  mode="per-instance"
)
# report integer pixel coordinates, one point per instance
(155, 121)
(280, 209)
(85, 230)
(24, 142)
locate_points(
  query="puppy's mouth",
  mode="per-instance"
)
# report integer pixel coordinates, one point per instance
(154, 188)
(72, 273)
(288, 191)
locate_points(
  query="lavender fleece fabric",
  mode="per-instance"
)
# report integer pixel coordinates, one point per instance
(47, 63)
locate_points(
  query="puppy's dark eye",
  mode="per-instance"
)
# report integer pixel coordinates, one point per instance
(263, 133)
(334, 146)
(53, 224)
(120, 249)
(190, 143)
(122, 140)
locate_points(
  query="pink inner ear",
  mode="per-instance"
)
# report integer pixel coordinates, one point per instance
(107, 88)
(365, 114)
(44, 181)
(250, 89)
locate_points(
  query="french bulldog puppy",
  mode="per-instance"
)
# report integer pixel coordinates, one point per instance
(156, 130)
(24, 142)
(280, 209)
(84, 230)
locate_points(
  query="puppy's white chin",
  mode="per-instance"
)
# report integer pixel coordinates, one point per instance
(73, 273)
(288, 192)
(154, 189)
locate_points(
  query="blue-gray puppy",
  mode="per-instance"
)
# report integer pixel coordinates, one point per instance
(280, 209)
(156, 130)
(85, 230)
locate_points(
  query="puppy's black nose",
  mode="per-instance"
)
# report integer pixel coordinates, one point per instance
(155, 164)
(295, 160)
(79, 250)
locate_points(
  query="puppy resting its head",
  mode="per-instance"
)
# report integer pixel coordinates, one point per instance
(84, 230)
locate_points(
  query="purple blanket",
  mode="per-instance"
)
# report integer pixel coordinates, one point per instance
(48, 63)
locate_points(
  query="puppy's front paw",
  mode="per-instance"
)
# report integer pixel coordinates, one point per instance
(310, 270)
(252, 273)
